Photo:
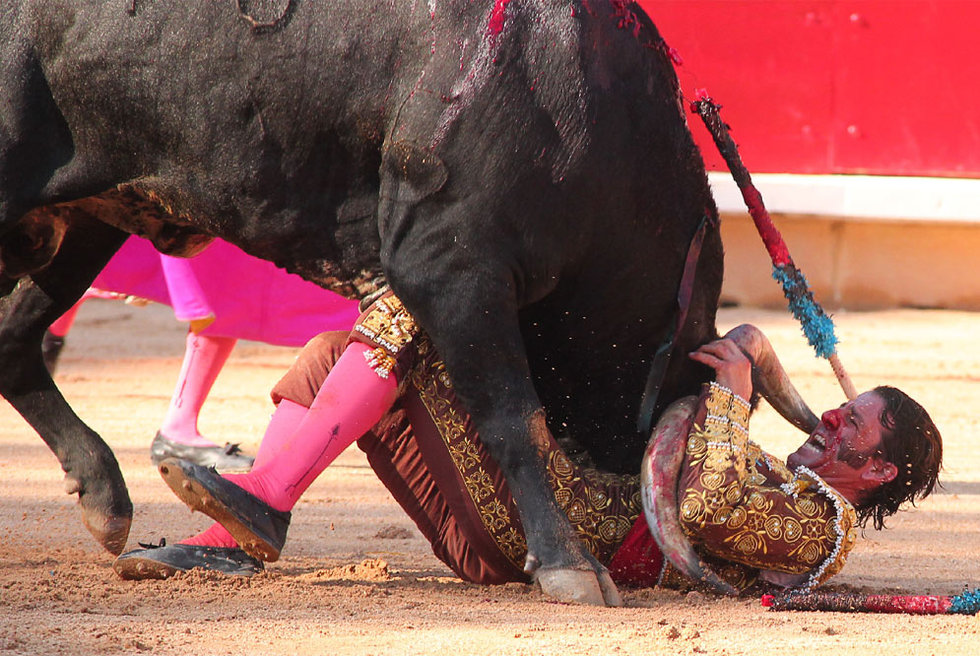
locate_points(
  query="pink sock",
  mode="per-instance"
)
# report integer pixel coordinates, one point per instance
(203, 359)
(214, 536)
(282, 425)
(351, 400)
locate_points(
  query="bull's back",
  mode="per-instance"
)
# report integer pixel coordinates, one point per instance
(260, 131)
(175, 81)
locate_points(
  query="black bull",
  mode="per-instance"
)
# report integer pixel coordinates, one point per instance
(520, 172)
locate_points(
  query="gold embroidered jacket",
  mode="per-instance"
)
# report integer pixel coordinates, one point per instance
(740, 505)
(744, 510)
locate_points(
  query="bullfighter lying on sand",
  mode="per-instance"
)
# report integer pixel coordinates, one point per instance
(753, 519)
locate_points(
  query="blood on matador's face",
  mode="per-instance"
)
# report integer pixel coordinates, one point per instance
(845, 442)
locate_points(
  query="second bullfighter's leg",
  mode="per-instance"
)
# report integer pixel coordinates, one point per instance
(473, 323)
(91, 469)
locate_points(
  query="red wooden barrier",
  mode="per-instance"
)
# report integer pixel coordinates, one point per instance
(883, 87)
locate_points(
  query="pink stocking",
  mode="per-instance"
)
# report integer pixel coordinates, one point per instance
(284, 422)
(214, 536)
(204, 357)
(351, 400)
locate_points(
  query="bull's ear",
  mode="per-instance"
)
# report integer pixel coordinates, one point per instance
(410, 173)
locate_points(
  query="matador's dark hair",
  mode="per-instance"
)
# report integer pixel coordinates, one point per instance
(912, 443)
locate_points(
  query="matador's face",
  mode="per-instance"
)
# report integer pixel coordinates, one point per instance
(846, 443)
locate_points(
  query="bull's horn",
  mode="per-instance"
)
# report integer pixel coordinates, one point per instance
(769, 378)
(658, 490)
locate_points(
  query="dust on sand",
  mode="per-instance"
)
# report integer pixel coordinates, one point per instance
(356, 576)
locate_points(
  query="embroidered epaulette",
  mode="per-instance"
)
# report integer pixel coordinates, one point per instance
(389, 325)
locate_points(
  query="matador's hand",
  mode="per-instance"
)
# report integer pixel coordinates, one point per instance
(732, 368)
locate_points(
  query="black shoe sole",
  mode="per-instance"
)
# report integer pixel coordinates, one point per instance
(164, 562)
(141, 569)
(182, 478)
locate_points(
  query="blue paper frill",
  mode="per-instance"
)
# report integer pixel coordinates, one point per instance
(967, 603)
(817, 326)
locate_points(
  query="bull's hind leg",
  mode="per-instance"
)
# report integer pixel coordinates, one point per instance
(90, 467)
(476, 333)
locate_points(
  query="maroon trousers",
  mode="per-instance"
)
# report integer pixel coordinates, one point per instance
(427, 453)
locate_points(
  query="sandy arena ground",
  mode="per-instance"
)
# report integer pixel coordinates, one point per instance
(357, 578)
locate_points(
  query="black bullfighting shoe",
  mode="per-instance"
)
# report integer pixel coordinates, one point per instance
(259, 529)
(161, 561)
(225, 458)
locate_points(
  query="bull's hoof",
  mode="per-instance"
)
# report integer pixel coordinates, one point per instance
(112, 532)
(578, 586)
(111, 529)
(609, 590)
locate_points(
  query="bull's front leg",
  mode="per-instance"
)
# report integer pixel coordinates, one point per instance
(475, 329)
(91, 469)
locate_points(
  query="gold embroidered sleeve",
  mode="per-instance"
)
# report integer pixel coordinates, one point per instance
(730, 511)
(721, 444)
(764, 527)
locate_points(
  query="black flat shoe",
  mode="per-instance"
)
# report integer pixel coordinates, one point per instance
(259, 529)
(163, 561)
(225, 458)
